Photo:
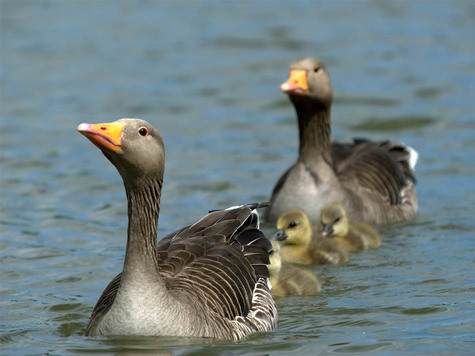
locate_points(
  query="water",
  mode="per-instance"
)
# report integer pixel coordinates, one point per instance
(206, 74)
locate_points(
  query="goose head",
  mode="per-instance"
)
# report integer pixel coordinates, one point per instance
(309, 80)
(294, 228)
(334, 221)
(133, 146)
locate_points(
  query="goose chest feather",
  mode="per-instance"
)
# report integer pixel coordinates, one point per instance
(208, 279)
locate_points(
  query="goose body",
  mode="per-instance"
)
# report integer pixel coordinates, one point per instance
(289, 279)
(353, 235)
(301, 244)
(373, 181)
(209, 279)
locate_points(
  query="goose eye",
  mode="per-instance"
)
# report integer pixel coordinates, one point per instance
(143, 131)
(336, 220)
(292, 224)
(316, 69)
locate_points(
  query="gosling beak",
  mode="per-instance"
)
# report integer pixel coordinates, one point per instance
(296, 83)
(103, 135)
(280, 235)
(327, 229)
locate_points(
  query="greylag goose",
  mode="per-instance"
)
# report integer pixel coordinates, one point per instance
(374, 181)
(301, 244)
(288, 279)
(352, 235)
(209, 279)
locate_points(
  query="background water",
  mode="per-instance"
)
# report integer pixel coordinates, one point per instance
(206, 74)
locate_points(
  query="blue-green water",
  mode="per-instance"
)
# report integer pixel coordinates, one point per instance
(206, 74)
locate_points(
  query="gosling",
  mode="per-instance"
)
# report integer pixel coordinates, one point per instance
(301, 245)
(287, 279)
(352, 235)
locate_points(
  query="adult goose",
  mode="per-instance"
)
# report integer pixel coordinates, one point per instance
(353, 235)
(374, 181)
(209, 279)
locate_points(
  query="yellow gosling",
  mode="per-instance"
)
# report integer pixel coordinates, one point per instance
(352, 235)
(287, 279)
(301, 245)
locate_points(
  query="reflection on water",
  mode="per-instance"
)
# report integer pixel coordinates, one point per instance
(207, 75)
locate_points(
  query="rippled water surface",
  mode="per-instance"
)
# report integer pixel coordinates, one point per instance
(206, 74)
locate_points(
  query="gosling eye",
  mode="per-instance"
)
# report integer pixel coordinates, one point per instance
(336, 220)
(292, 225)
(316, 69)
(143, 131)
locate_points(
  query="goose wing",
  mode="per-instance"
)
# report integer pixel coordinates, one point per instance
(218, 260)
(382, 167)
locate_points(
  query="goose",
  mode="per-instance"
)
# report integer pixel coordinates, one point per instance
(353, 235)
(301, 244)
(288, 279)
(374, 181)
(208, 279)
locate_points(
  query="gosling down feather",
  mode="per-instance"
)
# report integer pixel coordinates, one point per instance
(374, 181)
(289, 279)
(353, 235)
(208, 279)
(301, 244)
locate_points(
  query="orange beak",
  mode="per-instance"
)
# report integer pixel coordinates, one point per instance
(296, 83)
(103, 135)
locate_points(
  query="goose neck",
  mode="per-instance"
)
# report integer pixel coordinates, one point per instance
(143, 210)
(314, 131)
